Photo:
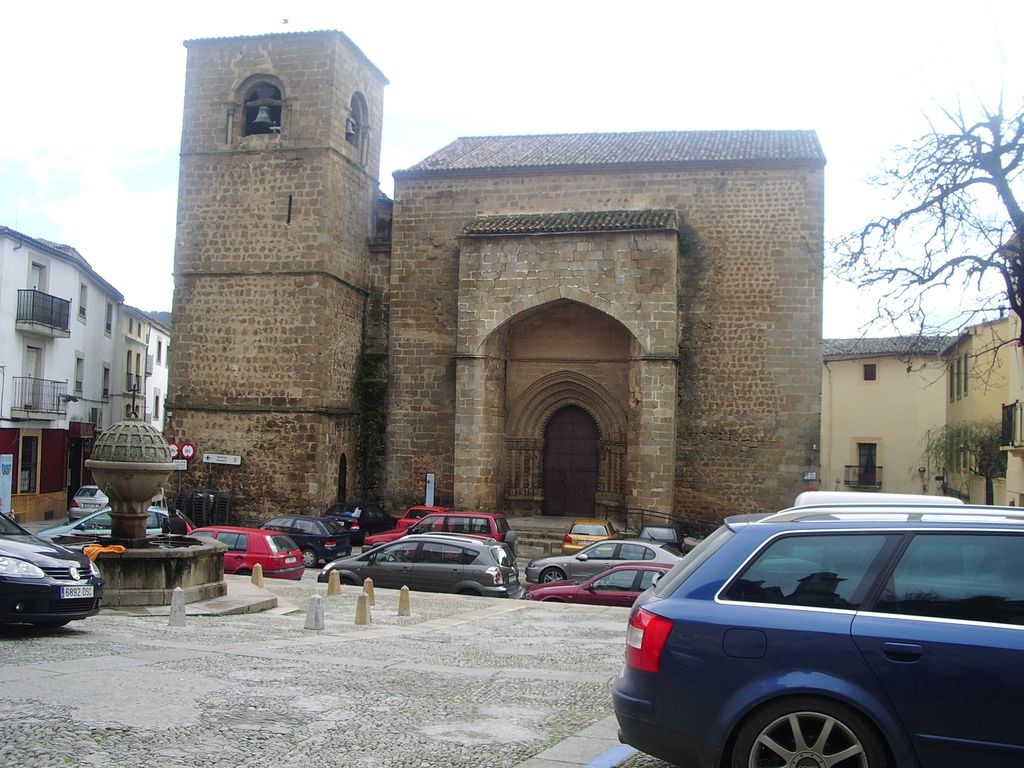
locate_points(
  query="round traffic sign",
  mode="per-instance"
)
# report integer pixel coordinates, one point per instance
(187, 450)
(174, 450)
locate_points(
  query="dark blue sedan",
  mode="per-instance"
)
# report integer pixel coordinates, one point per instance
(321, 539)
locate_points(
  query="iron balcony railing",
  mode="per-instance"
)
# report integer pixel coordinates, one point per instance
(40, 395)
(44, 309)
(856, 476)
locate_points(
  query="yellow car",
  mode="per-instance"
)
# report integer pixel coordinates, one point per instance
(584, 531)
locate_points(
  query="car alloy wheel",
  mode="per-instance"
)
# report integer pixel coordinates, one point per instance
(552, 574)
(309, 558)
(807, 733)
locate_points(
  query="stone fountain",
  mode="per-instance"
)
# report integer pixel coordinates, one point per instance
(131, 462)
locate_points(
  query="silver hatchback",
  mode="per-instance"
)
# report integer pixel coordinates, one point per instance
(435, 562)
(597, 557)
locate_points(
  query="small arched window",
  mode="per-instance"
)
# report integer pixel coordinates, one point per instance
(356, 124)
(263, 109)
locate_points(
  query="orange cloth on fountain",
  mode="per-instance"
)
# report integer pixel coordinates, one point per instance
(92, 551)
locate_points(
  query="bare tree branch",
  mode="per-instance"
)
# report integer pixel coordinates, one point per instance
(960, 223)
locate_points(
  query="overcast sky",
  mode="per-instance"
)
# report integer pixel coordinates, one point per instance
(93, 94)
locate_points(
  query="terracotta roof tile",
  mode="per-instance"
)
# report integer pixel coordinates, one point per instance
(889, 346)
(572, 221)
(614, 149)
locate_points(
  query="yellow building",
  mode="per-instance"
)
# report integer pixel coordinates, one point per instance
(1013, 418)
(880, 399)
(978, 374)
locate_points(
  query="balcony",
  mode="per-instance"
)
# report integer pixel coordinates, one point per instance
(856, 476)
(39, 398)
(1013, 426)
(43, 314)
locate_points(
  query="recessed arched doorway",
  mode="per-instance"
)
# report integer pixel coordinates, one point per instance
(570, 463)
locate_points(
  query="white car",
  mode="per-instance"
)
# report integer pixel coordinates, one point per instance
(98, 524)
(88, 499)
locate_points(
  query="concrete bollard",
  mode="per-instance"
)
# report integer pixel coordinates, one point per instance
(404, 609)
(368, 589)
(177, 617)
(363, 610)
(334, 584)
(315, 612)
(257, 575)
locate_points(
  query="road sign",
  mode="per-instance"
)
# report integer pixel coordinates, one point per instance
(174, 450)
(222, 458)
(181, 465)
(187, 450)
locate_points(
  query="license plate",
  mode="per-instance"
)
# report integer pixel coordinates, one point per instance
(67, 593)
(290, 560)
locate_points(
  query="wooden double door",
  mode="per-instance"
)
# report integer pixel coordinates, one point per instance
(570, 463)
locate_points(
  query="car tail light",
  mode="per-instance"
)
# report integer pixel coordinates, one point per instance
(645, 640)
(567, 539)
(330, 544)
(495, 574)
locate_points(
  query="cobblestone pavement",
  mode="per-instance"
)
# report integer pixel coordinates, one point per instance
(464, 681)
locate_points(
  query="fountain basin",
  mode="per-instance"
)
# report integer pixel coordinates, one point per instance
(148, 574)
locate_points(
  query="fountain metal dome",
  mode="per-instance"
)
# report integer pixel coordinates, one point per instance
(132, 441)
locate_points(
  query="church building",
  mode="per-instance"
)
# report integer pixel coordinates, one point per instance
(573, 325)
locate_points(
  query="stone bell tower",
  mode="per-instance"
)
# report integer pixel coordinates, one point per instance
(273, 278)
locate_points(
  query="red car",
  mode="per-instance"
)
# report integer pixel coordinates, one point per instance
(412, 516)
(481, 524)
(279, 556)
(616, 586)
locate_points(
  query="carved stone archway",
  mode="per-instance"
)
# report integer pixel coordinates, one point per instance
(524, 441)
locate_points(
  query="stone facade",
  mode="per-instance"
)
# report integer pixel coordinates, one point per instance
(650, 302)
(704, 343)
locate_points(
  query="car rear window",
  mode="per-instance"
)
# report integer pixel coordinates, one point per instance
(281, 543)
(502, 524)
(589, 529)
(503, 557)
(87, 493)
(692, 560)
(659, 534)
(335, 527)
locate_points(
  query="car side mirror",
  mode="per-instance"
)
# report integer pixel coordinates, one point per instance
(582, 557)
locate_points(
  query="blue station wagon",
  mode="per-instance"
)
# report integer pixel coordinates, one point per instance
(850, 635)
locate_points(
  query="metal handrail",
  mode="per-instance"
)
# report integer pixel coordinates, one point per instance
(694, 526)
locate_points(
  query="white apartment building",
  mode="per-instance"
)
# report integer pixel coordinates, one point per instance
(68, 347)
(157, 372)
